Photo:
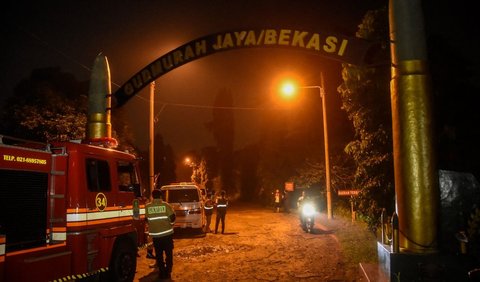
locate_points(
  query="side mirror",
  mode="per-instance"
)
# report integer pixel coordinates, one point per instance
(135, 188)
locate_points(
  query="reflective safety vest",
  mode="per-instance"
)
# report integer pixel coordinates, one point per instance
(277, 197)
(158, 215)
(222, 205)
(208, 207)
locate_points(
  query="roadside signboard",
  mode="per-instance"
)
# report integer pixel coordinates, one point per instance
(289, 186)
(348, 192)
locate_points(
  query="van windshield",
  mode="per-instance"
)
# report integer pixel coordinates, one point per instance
(180, 196)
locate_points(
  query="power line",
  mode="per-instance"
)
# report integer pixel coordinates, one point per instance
(49, 46)
(56, 50)
(163, 103)
(63, 54)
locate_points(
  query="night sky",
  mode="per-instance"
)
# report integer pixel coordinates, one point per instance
(132, 34)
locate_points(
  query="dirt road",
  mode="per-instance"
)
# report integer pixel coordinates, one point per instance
(258, 245)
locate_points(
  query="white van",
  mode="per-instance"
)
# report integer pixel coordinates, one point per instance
(187, 201)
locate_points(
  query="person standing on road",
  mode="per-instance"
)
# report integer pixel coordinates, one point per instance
(161, 218)
(149, 240)
(208, 208)
(150, 248)
(286, 201)
(222, 204)
(278, 200)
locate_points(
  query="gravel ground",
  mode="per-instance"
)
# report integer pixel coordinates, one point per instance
(261, 245)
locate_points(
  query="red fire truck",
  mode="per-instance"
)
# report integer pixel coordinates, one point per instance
(68, 211)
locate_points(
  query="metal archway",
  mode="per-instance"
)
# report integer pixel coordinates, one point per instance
(333, 46)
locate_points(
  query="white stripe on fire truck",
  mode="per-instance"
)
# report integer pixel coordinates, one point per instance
(59, 236)
(58, 233)
(3, 241)
(83, 216)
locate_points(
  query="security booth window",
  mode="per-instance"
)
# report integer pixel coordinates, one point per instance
(98, 175)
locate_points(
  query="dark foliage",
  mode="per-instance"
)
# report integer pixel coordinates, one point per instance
(366, 99)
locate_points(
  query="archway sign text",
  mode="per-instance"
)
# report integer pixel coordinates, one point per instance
(333, 46)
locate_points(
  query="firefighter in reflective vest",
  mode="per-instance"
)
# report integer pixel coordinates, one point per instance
(208, 208)
(161, 218)
(222, 204)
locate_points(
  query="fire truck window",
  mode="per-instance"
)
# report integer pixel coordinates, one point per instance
(127, 176)
(124, 172)
(98, 175)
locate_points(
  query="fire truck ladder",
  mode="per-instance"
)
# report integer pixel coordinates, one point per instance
(28, 144)
(57, 220)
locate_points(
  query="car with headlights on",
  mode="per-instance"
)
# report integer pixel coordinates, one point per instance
(187, 202)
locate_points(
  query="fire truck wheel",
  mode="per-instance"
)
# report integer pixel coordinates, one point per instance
(123, 263)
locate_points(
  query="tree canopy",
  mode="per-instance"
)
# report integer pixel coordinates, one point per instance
(366, 99)
(50, 105)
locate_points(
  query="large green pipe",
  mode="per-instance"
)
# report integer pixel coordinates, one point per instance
(416, 177)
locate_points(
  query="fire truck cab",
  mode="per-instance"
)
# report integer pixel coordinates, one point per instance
(68, 211)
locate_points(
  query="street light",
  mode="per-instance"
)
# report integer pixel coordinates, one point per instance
(191, 163)
(289, 89)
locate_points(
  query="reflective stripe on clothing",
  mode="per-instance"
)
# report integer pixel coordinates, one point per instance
(208, 207)
(158, 214)
(158, 217)
(162, 233)
(222, 205)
